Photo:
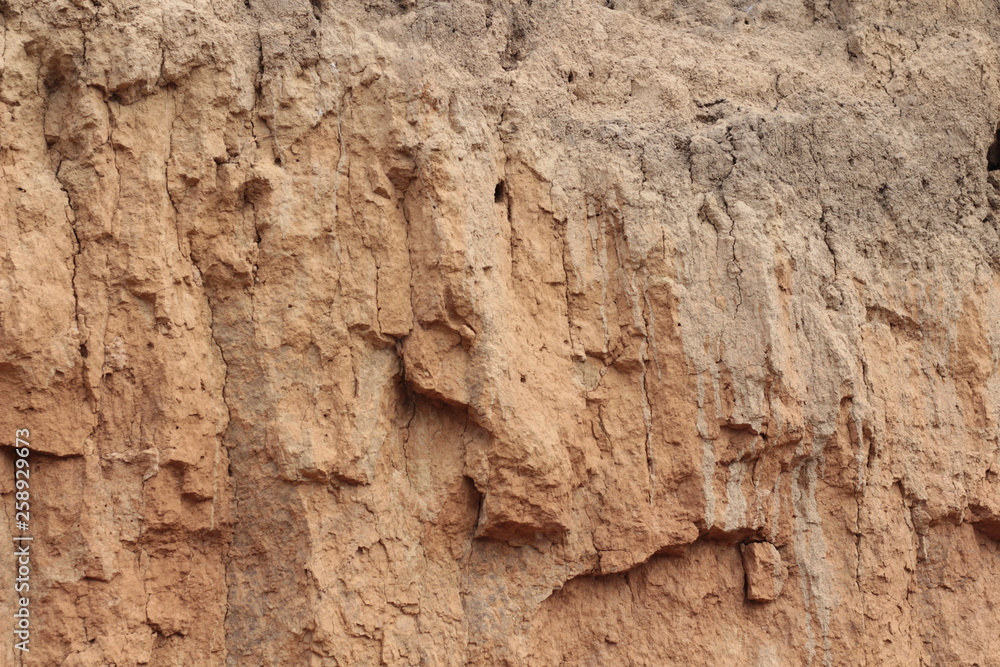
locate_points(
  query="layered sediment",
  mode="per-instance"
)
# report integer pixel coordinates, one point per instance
(502, 332)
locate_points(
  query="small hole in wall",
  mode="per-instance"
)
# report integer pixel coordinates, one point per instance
(524, 379)
(83, 351)
(498, 192)
(993, 154)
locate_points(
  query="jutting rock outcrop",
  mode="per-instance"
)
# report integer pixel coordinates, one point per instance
(503, 332)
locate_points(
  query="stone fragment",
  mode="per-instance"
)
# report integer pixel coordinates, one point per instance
(765, 573)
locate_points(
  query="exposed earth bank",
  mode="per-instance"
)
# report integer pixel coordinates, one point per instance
(502, 332)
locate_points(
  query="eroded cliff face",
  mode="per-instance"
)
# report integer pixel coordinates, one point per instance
(503, 332)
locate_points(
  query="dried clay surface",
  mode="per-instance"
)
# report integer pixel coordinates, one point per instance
(502, 332)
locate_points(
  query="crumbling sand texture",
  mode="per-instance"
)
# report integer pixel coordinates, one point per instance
(503, 332)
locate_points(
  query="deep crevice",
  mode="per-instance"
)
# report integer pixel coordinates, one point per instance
(993, 153)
